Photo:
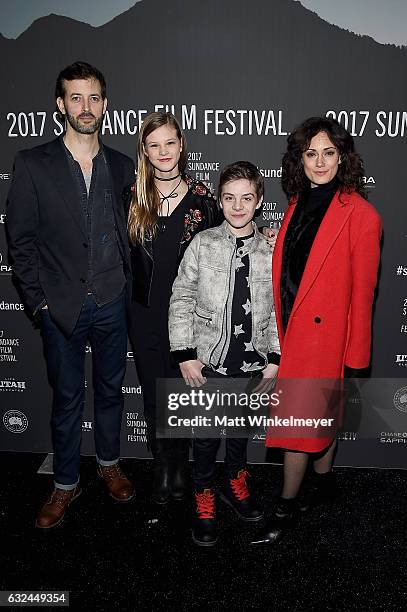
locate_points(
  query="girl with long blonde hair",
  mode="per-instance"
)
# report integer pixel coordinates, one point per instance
(167, 208)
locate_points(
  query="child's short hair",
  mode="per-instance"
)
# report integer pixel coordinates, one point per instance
(242, 170)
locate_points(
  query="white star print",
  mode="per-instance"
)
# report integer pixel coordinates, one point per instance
(247, 279)
(247, 307)
(238, 330)
(239, 263)
(249, 367)
(248, 346)
(222, 370)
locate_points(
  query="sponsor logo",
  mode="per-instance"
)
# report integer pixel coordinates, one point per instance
(259, 438)
(15, 421)
(349, 436)
(400, 399)
(11, 305)
(369, 180)
(11, 384)
(403, 328)
(401, 360)
(344, 435)
(4, 268)
(87, 425)
(3, 218)
(5, 176)
(393, 437)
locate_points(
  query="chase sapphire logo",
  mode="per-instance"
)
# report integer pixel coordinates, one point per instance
(15, 421)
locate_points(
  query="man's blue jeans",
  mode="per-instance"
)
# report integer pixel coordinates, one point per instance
(105, 329)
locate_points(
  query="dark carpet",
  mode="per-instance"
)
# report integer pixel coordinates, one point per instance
(138, 556)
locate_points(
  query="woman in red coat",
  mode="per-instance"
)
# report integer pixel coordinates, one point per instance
(325, 266)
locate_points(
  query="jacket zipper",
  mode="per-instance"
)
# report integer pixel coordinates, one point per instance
(251, 299)
(225, 316)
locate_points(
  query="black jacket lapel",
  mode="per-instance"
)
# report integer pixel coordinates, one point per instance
(60, 173)
(115, 169)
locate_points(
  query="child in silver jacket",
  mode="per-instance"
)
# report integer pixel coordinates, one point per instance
(222, 324)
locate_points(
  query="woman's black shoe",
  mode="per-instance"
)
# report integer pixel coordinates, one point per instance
(283, 519)
(273, 531)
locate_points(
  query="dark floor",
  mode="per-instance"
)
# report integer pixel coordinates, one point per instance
(140, 557)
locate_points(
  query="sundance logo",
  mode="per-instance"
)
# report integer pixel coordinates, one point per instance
(11, 306)
(369, 180)
(15, 421)
(87, 426)
(8, 346)
(401, 360)
(271, 172)
(11, 384)
(5, 176)
(3, 218)
(136, 390)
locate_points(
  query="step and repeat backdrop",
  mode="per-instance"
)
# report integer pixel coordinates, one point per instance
(239, 75)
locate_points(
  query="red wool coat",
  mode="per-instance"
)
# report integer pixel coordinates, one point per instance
(330, 323)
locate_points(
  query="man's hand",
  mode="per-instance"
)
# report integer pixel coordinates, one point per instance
(192, 372)
(269, 379)
(270, 234)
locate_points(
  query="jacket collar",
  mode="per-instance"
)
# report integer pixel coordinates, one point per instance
(332, 224)
(249, 246)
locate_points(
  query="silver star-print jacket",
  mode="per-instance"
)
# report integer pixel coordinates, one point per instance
(202, 295)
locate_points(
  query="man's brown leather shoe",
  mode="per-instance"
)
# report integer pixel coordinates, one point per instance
(120, 487)
(53, 511)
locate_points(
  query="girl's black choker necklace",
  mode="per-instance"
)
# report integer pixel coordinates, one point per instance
(158, 178)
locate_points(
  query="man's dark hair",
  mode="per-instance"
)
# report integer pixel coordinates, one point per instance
(242, 170)
(79, 70)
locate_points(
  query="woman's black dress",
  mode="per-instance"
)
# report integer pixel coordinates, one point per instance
(148, 325)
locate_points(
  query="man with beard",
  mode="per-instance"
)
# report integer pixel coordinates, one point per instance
(68, 243)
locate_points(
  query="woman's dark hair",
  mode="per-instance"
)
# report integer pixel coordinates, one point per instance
(79, 70)
(350, 170)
